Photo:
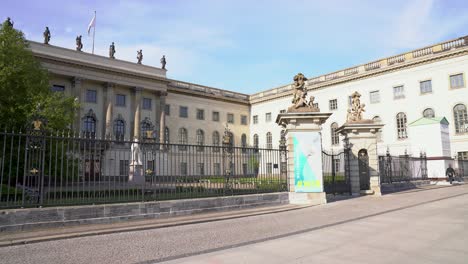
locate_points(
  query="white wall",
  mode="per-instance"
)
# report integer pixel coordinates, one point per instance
(442, 100)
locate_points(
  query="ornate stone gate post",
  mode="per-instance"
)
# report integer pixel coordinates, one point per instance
(302, 123)
(360, 136)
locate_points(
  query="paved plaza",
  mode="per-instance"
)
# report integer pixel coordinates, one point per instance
(419, 226)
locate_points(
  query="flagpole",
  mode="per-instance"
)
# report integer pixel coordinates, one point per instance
(94, 29)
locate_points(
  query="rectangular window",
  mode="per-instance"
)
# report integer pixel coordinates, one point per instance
(374, 97)
(457, 81)
(425, 86)
(91, 96)
(337, 164)
(200, 114)
(124, 168)
(230, 118)
(149, 166)
(244, 169)
(333, 104)
(183, 168)
(215, 116)
(350, 100)
(217, 169)
(269, 168)
(167, 109)
(147, 103)
(398, 92)
(255, 119)
(200, 169)
(243, 120)
(58, 88)
(463, 156)
(268, 117)
(183, 111)
(120, 100)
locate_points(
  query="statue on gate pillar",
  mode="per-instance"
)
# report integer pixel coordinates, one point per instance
(356, 110)
(300, 101)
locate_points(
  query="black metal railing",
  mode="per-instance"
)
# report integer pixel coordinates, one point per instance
(402, 168)
(42, 169)
(336, 176)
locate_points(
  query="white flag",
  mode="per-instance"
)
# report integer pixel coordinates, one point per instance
(92, 23)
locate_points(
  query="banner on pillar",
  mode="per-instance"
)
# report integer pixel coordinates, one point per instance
(307, 162)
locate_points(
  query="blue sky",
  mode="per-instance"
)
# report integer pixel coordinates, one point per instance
(245, 46)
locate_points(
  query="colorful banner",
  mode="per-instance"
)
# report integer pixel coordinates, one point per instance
(307, 162)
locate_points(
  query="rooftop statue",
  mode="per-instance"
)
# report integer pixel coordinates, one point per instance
(163, 62)
(139, 56)
(46, 35)
(9, 22)
(79, 44)
(112, 51)
(300, 101)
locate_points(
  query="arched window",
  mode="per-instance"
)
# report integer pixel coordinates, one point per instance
(215, 138)
(335, 137)
(119, 129)
(269, 140)
(401, 125)
(215, 141)
(146, 128)
(166, 135)
(255, 141)
(378, 134)
(428, 113)
(183, 138)
(200, 139)
(244, 142)
(461, 119)
(89, 124)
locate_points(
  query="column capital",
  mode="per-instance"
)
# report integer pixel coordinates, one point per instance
(109, 85)
(76, 81)
(161, 93)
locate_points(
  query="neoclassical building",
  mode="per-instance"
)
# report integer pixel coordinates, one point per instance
(123, 100)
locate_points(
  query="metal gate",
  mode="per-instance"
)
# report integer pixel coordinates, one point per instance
(336, 178)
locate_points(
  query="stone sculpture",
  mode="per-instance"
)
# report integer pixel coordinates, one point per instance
(136, 153)
(46, 35)
(299, 101)
(79, 44)
(139, 56)
(9, 22)
(163, 62)
(356, 109)
(112, 51)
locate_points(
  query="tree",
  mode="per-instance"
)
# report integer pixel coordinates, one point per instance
(24, 85)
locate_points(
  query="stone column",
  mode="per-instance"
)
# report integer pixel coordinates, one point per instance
(362, 136)
(305, 177)
(77, 93)
(162, 115)
(137, 114)
(108, 105)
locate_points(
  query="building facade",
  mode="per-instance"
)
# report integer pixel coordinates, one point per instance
(124, 100)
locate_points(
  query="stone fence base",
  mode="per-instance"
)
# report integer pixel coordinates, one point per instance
(401, 186)
(34, 218)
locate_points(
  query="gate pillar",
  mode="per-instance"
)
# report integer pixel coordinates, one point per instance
(304, 173)
(361, 139)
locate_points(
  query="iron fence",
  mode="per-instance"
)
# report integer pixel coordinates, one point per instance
(336, 177)
(402, 168)
(41, 169)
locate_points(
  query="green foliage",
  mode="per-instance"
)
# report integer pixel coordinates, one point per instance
(24, 85)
